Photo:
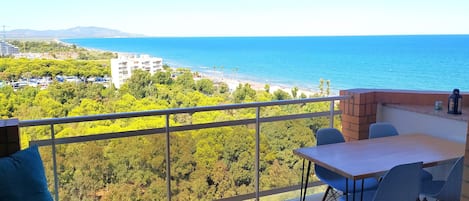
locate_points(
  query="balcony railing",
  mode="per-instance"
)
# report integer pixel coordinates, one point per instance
(168, 129)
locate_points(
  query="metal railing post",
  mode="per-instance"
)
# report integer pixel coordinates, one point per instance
(331, 115)
(256, 165)
(168, 163)
(54, 163)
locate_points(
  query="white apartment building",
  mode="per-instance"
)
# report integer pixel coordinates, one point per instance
(7, 49)
(122, 67)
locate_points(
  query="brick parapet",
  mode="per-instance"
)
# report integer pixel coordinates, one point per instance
(360, 110)
(357, 113)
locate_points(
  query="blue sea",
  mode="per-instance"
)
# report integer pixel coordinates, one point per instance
(420, 62)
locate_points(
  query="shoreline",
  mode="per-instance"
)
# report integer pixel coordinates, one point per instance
(217, 77)
(256, 85)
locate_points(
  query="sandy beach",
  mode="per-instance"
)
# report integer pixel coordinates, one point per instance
(233, 83)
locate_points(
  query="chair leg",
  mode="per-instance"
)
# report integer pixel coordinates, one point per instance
(329, 188)
(334, 194)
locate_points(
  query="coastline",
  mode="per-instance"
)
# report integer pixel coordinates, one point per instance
(233, 83)
(218, 77)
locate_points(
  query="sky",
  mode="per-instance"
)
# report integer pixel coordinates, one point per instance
(243, 17)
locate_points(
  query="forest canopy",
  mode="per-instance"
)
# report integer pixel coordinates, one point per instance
(206, 164)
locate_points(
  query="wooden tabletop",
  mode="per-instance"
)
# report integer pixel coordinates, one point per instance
(367, 158)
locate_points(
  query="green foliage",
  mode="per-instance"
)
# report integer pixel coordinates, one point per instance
(267, 88)
(223, 88)
(205, 86)
(281, 95)
(186, 81)
(321, 87)
(163, 78)
(206, 164)
(58, 50)
(244, 93)
(13, 69)
(140, 84)
(294, 92)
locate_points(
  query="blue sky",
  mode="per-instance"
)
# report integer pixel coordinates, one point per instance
(243, 17)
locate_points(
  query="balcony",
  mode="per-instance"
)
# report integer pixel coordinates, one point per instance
(358, 108)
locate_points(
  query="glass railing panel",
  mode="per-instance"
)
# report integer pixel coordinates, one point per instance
(118, 169)
(280, 168)
(210, 164)
(209, 157)
(46, 156)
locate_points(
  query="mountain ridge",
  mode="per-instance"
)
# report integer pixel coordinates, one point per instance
(74, 32)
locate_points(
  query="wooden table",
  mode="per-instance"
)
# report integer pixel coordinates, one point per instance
(368, 158)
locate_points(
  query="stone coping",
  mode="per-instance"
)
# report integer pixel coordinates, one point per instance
(429, 110)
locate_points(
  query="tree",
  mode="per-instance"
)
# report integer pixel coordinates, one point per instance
(321, 87)
(161, 77)
(328, 84)
(244, 93)
(205, 86)
(186, 81)
(140, 84)
(281, 95)
(206, 164)
(267, 88)
(303, 95)
(294, 92)
(223, 88)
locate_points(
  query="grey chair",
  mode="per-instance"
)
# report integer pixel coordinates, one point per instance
(385, 129)
(401, 183)
(333, 180)
(448, 190)
(382, 129)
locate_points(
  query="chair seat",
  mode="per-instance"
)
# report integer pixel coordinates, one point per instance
(431, 188)
(367, 195)
(338, 182)
(449, 189)
(426, 176)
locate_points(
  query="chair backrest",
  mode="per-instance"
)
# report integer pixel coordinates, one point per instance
(328, 136)
(401, 183)
(451, 190)
(382, 129)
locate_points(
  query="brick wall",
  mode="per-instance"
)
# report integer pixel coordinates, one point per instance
(360, 111)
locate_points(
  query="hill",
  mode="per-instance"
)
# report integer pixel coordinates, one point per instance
(75, 32)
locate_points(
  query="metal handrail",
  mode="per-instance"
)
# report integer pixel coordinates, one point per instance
(27, 123)
(53, 141)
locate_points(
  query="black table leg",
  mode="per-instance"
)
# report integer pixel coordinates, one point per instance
(307, 178)
(354, 189)
(346, 189)
(363, 186)
(302, 177)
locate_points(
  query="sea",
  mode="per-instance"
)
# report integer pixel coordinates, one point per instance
(412, 62)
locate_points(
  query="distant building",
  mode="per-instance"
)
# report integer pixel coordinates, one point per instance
(122, 67)
(7, 49)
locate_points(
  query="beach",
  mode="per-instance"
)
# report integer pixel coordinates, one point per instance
(218, 77)
(233, 83)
